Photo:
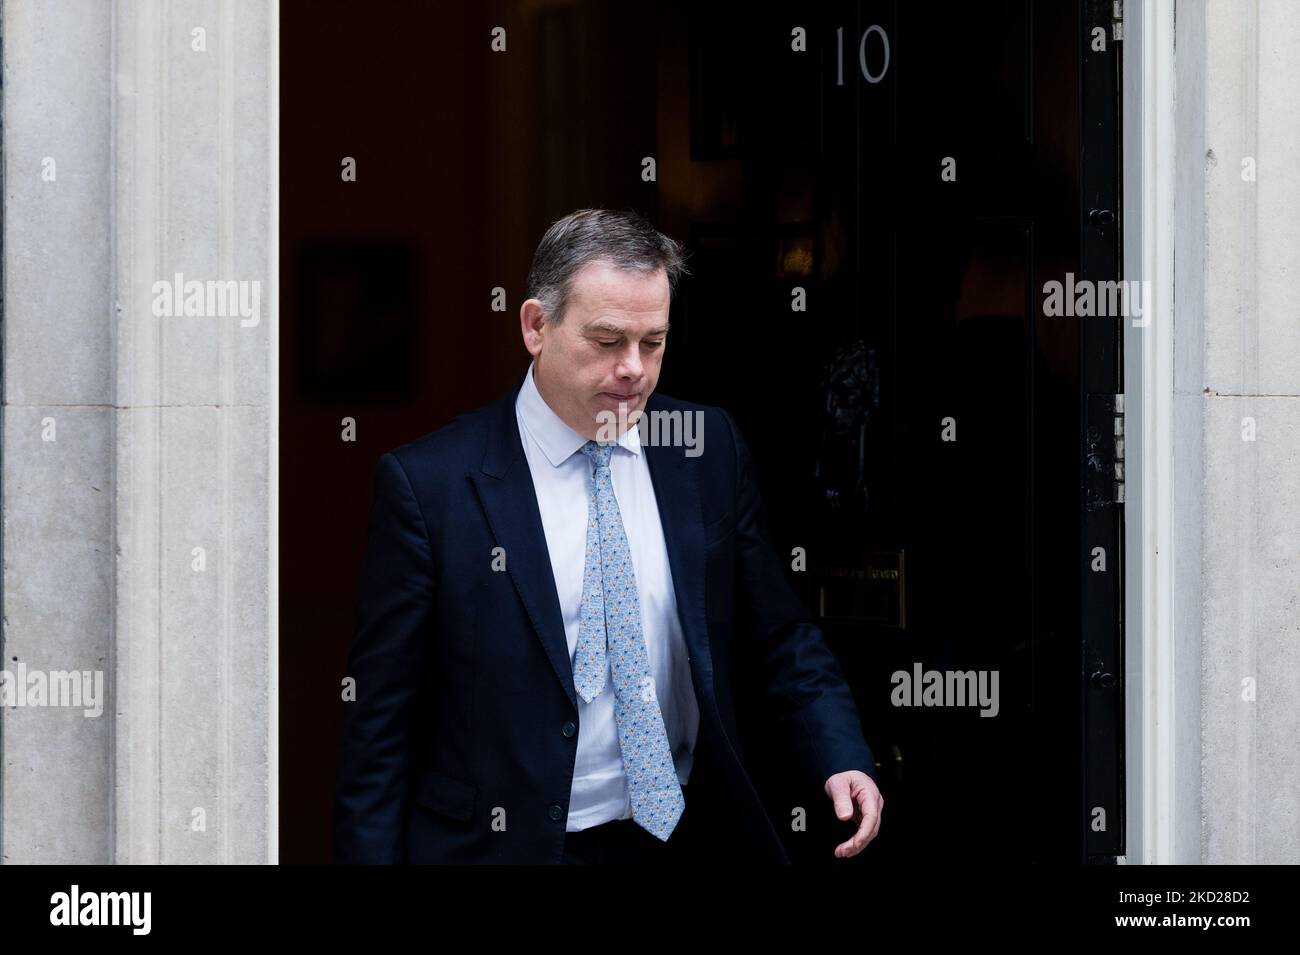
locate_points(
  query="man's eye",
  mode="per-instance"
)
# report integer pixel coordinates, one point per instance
(608, 344)
(654, 344)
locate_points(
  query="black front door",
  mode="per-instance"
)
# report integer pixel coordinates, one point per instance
(869, 302)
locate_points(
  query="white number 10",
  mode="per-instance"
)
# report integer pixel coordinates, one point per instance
(862, 55)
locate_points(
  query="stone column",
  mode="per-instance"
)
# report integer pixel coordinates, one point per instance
(139, 472)
(1249, 354)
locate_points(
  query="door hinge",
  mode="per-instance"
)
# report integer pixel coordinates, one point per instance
(1117, 20)
(1118, 408)
(1104, 470)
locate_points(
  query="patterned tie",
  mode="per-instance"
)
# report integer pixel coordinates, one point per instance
(611, 609)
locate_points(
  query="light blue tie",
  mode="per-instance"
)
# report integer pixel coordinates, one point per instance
(611, 609)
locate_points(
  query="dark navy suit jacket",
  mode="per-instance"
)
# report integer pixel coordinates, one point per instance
(460, 744)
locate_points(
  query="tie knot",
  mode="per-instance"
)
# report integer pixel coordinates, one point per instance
(599, 453)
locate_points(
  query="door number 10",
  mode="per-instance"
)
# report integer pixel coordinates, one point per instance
(862, 55)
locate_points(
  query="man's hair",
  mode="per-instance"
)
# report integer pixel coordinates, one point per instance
(623, 239)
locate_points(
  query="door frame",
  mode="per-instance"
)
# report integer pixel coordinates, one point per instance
(1162, 433)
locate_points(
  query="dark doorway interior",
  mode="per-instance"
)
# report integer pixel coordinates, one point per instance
(782, 170)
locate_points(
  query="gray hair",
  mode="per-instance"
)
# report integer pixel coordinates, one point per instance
(622, 238)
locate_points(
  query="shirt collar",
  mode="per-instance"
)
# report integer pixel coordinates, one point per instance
(556, 439)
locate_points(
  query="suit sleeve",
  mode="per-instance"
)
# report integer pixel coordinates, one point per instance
(395, 600)
(802, 681)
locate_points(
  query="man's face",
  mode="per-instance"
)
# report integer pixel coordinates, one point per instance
(606, 353)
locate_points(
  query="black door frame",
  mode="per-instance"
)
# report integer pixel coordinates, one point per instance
(1101, 409)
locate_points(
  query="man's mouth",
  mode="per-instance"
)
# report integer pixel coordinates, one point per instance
(619, 397)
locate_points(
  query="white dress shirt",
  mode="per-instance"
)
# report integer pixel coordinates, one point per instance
(560, 474)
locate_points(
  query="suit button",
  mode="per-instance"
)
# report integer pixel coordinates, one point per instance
(569, 729)
(557, 813)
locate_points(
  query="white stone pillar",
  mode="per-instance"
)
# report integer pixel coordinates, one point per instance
(1251, 415)
(141, 539)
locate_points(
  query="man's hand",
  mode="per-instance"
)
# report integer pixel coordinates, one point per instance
(856, 798)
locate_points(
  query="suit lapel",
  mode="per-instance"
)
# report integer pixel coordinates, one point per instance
(505, 488)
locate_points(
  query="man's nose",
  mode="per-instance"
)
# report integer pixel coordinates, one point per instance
(629, 365)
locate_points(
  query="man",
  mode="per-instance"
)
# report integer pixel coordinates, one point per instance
(550, 609)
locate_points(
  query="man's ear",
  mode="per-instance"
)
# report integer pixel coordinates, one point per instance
(532, 319)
